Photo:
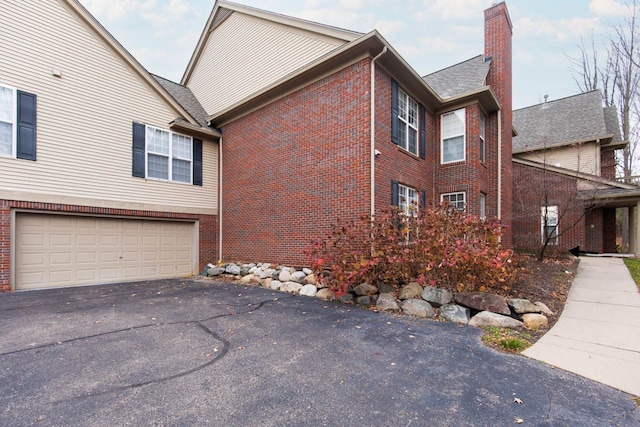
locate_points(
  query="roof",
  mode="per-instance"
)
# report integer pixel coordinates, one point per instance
(185, 98)
(461, 78)
(611, 123)
(565, 121)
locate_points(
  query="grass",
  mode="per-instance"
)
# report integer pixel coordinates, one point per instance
(633, 264)
(506, 339)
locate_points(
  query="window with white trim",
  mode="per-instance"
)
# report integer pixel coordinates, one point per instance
(7, 121)
(408, 122)
(456, 200)
(169, 155)
(483, 206)
(452, 132)
(549, 224)
(407, 199)
(482, 144)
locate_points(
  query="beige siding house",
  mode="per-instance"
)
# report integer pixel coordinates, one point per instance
(91, 201)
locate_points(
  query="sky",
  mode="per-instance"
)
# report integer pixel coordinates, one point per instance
(429, 34)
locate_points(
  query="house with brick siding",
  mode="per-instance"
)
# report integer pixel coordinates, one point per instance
(279, 128)
(564, 179)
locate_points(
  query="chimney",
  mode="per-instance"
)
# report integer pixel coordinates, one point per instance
(498, 31)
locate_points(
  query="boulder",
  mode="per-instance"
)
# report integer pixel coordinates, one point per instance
(534, 320)
(366, 300)
(215, 271)
(488, 318)
(543, 308)
(325, 294)
(284, 275)
(275, 284)
(522, 306)
(291, 287)
(483, 301)
(385, 288)
(268, 272)
(307, 271)
(346, 298)
(310, 280)
(309, 290)
(418, 307)
(412, 290)
(249, 278)
(455, 313)
(266, 282)
(365, 289)
(253, 269)
(387, 302)
(265, 266)
(298, 276)
(232, 269)
(436, 296)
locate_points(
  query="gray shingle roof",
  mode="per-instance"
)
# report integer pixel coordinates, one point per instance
(186, 98)
(611, 123)
(460, 78)
(564, 121)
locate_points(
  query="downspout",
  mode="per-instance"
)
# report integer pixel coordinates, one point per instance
(499, 164)
(373, 131)
(220, 202)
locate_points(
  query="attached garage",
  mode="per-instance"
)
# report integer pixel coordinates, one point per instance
(65, 250)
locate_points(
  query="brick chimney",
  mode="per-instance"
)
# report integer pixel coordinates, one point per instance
(498, 31)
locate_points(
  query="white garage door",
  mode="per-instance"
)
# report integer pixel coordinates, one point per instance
(65, 250)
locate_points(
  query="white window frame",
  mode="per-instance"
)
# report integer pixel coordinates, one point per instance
(483, 145)
(483, 206)
(445, 137)
(407, 200)
(13, 122)
(407, 122)
(549, 218)
(455, 204)
(170, 156)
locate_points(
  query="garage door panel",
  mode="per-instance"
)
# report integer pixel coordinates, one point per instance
(59, 250)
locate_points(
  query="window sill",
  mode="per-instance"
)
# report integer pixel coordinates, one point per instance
(454, 163)
(167, 181)
(408, 153)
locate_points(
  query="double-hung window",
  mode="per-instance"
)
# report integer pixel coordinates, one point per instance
(456, 200)
(408, 122)
(407, 200)
(549, 224)
(164, 155)
(452, 130)
(17, 123)
(482, 143)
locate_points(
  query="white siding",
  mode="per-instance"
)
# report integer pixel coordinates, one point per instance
(84, 118)
(583, 159)
(245, 54)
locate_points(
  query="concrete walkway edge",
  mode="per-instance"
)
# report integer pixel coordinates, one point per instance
(598, 333)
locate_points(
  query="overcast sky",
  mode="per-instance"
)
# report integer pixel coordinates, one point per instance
(429, 34)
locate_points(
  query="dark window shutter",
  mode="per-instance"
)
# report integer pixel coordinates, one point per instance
(138, 164)
(394, 193)
(26, 126)
(197, 161)
(394, 112)
(423, 199)
(423, 143)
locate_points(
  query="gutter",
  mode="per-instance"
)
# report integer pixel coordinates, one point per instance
(220, 202)
(500, 164)
(372, 125)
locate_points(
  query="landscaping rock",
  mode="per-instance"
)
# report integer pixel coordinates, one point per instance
(366, 300)
(522, 306)
(307, 271)
(544, 309)
(436, 296)
(298, 276)
(455, 313)
(291, 287)
(346, 298)
(488, 318)
(310, 280)
(387, 302)
(284, 276)
(483, 301)
(249, 278)
(418, 307)
(385, 288)
(265, 266)
(266, 282)
(215, 271)
(268, 272)
(325, 294)
(412, 290)
(232, 269)
(365, 289)
(309, 290)
(275, 284)
(534, 320)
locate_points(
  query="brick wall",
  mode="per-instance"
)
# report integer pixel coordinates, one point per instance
(294, 167)
(208, 230)
(532, 189)
(608, 164)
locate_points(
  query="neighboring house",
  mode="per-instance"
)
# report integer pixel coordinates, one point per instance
(107, 173)
(279, 128)
(564, 175)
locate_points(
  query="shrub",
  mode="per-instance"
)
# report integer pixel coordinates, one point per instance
(438, 246)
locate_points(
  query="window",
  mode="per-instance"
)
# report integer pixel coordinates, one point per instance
(407, 200)
(483, 206)
(482, 145)
(453, 136)
(549, 224)
(17, 123)
(456, 200)
(165, 155)
(407, 122)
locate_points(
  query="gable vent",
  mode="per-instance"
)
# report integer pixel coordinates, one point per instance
(220, 15)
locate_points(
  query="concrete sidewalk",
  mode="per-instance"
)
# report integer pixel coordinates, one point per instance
(598, 333)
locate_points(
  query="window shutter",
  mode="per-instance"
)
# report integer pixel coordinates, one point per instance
(423, 143)
(394, 193)
(197, 161)
(423, 199)
(138, 164)
(394, 112)
(26, 126)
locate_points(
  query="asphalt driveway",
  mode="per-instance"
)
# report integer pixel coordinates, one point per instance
(187, 352)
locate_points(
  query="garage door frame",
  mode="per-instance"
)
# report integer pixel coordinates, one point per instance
(13, 230)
